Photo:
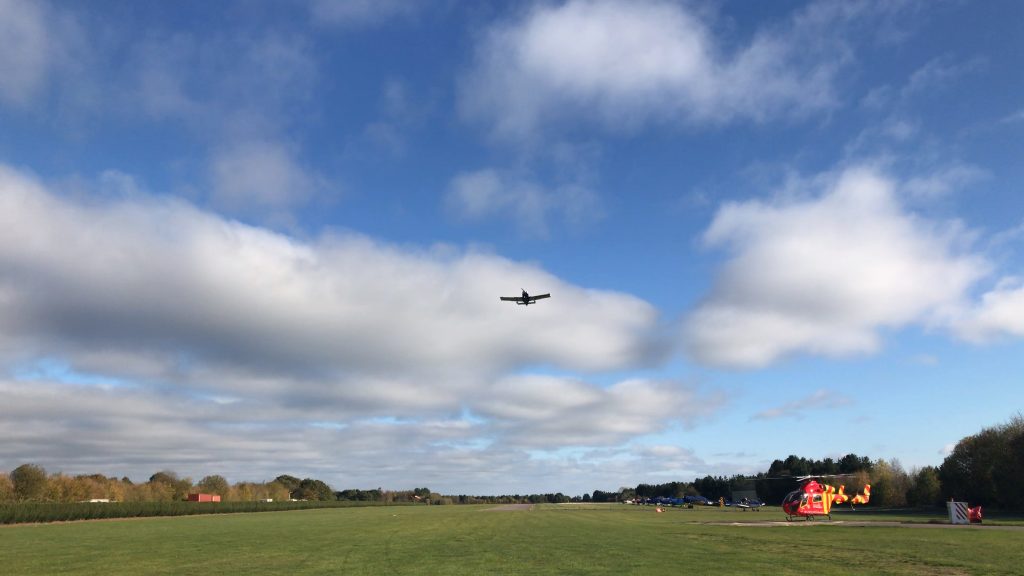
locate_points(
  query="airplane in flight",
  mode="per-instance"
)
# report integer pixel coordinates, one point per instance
(525, 299)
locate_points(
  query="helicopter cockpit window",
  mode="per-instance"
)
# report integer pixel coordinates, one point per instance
(817, 498)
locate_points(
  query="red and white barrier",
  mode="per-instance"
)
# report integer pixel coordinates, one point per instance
(957, 512)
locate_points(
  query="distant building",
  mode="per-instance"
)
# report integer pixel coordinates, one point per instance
(204, 497)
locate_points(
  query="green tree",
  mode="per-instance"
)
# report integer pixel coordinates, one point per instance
(967, 473)
(988, 467)
(889, 483)
(290, 483)
(312, 489)
(925, 489)
(853, 463)
(215, 484)
(1008, 476)
(29, 482)
(167, 486)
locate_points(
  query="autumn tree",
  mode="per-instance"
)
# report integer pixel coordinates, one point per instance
(889, 483)
(167, 486)
(6, 488)
(29, 482)
(215, 484)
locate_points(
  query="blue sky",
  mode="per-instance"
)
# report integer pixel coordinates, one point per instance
(261, 239)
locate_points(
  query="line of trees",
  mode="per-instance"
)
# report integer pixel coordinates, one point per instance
(31, 483)
(986, 468)
(891, 484)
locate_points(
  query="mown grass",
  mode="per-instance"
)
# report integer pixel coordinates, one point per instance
(602, 539)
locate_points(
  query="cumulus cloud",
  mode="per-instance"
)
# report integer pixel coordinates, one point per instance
(630, 63)
(162, 272)
(487, 194)
(215, 333)
(237, 93)
(138, 431)
(824, 273)
(999, 314)
(534, 409)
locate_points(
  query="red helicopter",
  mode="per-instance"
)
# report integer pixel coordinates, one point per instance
(816, 499)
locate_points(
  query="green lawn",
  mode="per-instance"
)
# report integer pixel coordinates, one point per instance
(571, 539)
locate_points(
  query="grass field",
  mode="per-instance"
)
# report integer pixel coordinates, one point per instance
(550, 539)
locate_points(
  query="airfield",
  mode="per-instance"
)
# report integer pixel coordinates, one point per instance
(541, 539)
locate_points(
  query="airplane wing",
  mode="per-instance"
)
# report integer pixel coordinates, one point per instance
(510, 298)
(539, 296)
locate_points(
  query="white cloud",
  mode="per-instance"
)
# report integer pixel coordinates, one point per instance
(259, 177)
(156, 271)
(999, 314)
(631, 63)
(938, 73)
(819, 400)
(533, 410)
(168, 322)
(943, 181)
(40, 43)
(823, 274)
(486, 194)
(25, 59)
(237, 93)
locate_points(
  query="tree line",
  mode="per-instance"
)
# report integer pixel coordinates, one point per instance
(31, 483)
(986, 468)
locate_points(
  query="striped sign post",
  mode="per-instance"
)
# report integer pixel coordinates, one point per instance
(957, 512)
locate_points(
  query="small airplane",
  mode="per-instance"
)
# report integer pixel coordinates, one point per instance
(525, 299)
(816, 499)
